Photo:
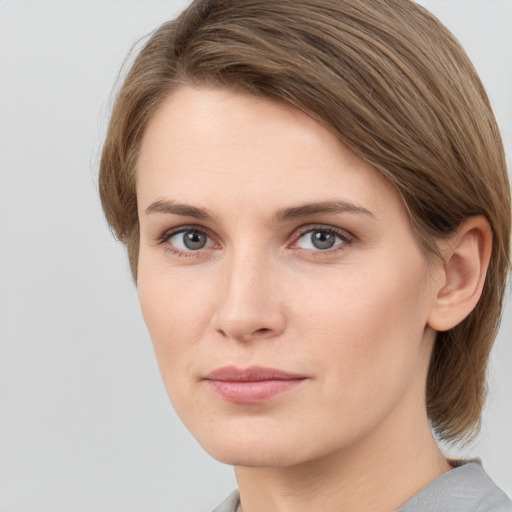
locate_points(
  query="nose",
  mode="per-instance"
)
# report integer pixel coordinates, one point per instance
(250, 306)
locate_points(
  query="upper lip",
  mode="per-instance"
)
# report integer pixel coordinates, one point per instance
(251, 374)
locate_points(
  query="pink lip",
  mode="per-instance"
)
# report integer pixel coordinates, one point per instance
(251, 385)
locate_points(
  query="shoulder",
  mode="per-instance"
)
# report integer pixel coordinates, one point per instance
(466, 488)
(230, 504)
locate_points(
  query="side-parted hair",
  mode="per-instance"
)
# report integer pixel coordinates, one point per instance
(394, 85)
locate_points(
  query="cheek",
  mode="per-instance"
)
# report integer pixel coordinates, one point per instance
(176, 312)
(369, 325)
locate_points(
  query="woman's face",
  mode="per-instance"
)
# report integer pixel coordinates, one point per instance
(284, 291)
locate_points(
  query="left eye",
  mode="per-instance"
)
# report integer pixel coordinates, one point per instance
(320, 239)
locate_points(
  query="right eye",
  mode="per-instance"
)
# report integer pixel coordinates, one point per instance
(188, 240)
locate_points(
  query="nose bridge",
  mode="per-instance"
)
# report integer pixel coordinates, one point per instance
(249, 305)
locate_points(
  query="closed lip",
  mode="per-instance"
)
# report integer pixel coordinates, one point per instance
(251, 374)
(253, 385)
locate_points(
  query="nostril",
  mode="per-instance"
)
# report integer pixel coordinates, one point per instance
(257, 333)
(263, 330)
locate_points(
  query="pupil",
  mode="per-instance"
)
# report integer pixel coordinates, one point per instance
(322, 239)
(194, 240)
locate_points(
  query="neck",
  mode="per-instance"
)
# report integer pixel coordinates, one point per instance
(376, 474)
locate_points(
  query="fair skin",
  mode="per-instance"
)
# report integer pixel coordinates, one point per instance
(266, 243)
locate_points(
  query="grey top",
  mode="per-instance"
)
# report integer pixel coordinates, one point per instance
(466, 488)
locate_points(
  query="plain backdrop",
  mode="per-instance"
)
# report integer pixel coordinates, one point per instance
(85, 424)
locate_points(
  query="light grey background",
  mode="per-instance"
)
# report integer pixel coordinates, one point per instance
(85, 425)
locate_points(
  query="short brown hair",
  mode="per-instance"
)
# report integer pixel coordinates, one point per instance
(392, 83)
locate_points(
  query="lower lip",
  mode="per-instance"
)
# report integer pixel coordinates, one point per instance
(253, 392)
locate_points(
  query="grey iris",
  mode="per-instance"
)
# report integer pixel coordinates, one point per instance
(194, 240)
(323, 239)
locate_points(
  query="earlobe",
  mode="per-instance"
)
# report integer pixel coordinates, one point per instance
(466, 260)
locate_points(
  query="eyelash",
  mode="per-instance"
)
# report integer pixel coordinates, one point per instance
(178, 252)
(346, 238)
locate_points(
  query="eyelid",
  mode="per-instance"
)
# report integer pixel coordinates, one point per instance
(169, 233)
(343, 234)
(346, 237)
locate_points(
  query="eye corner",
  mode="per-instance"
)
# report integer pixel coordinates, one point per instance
(329, 239)
(186, 241)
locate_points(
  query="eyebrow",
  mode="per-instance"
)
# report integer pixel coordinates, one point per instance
(284, 214)
(170, 207)
(307, 210)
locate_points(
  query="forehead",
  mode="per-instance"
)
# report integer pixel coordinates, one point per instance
(194, 123)
(208, 144)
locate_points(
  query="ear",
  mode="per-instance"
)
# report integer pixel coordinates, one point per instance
(466, 258)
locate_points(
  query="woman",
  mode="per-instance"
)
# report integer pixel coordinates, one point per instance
(316, 209)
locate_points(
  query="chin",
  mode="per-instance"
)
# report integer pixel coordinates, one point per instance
(256, 448)
(255, 456)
